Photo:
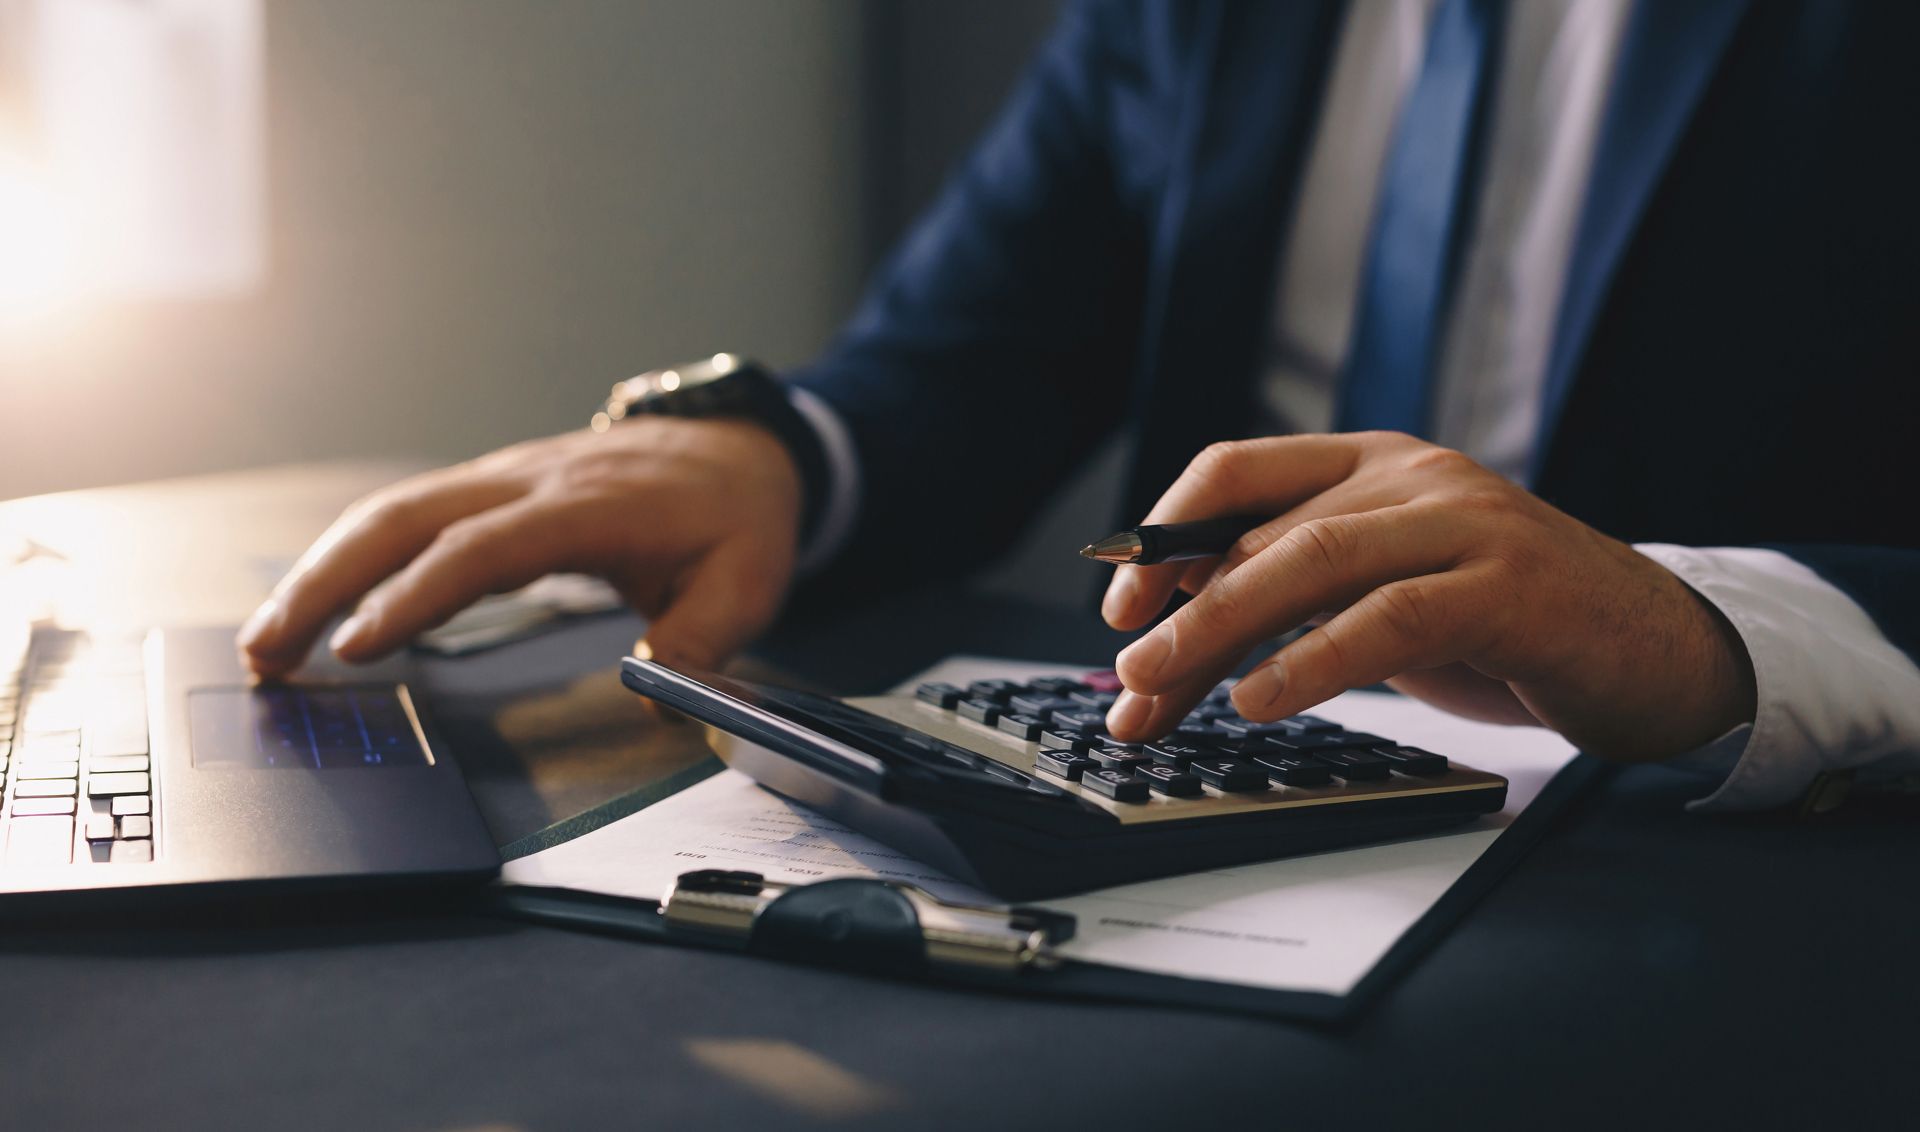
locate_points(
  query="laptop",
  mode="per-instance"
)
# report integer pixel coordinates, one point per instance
(150, 766)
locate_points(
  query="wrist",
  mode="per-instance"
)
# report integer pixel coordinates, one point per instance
(728, 387)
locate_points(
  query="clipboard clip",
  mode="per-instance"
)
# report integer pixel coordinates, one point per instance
(862, 924)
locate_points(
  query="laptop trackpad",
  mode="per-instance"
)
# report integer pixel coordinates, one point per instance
(290, 727)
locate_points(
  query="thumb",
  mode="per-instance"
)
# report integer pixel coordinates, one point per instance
(731, 595)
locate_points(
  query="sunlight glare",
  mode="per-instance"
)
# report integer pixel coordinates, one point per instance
(36, 245)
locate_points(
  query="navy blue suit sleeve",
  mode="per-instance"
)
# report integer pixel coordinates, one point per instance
(1883, 581)
(994, 350)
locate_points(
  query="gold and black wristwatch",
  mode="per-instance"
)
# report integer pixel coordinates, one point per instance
(727, 385)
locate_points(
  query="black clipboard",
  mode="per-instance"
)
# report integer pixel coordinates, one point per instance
(641, 919)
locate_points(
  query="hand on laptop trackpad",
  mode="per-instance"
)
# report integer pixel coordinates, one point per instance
(290, 727)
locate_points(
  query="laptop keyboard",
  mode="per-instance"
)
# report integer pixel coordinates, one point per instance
(76, 779)
(1212, 752)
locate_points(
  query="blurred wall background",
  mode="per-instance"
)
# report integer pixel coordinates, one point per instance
(480, 213)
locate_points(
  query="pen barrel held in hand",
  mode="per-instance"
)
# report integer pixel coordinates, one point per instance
(1181, 542)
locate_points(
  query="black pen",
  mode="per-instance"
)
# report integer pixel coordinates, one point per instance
(1171, 542)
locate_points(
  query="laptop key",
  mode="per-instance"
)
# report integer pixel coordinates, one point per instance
(131, 852)
(1119, 785)
(47, 768)
(132, 804)
(132, 828)
(41, 807)
(49, 788)
(100, 827)
(107, 785)
(117, 764)
(39, 841)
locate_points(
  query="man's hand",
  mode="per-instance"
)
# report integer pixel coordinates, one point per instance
(693, 521)
(1435, 575)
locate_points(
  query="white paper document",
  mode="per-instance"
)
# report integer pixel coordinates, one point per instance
(1317, 923)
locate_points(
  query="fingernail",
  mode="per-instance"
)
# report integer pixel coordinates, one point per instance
(1120, 593)
(1129, 712)
(256, 625)
(1143, 659)
(351, 633)
(1259, 690)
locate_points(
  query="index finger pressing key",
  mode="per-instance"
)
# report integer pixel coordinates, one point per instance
(1319, 565)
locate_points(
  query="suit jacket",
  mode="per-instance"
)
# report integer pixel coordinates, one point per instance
(1732, 356)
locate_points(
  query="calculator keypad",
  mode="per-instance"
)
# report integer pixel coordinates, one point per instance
(1213, 752)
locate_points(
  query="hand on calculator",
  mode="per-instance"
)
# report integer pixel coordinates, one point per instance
(1434, 575)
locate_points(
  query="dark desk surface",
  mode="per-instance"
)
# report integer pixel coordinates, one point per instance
(1644, 967)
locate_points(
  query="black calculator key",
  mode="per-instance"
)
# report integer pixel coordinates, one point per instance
(1092, 700)
(1413, 760)
(1065, 764)
(1294, 770)
(1040, 704)
(1199, 736)
(939, 695)
(1220, 693)
(1119, 758)
(1178, 754)
(1061, 741)
(994, 691)
(1057, 685)
(1080, 722)
(980, 711)
(1024, 726)
(1310, 723)
(1231, 775)
(1237, 728)
(1323, 741)
(1215, 709)
(1120, 785)
(1364, 739)
(1169, 780)
(1356, 766)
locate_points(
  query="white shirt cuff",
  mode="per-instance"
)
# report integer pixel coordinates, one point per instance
(842, 504)
(1833, 692)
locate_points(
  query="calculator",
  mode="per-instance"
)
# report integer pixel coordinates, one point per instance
(1015, 787)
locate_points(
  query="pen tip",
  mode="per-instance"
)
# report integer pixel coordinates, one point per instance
(1118, 548)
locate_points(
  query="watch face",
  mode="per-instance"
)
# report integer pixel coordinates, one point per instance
(691, 375)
